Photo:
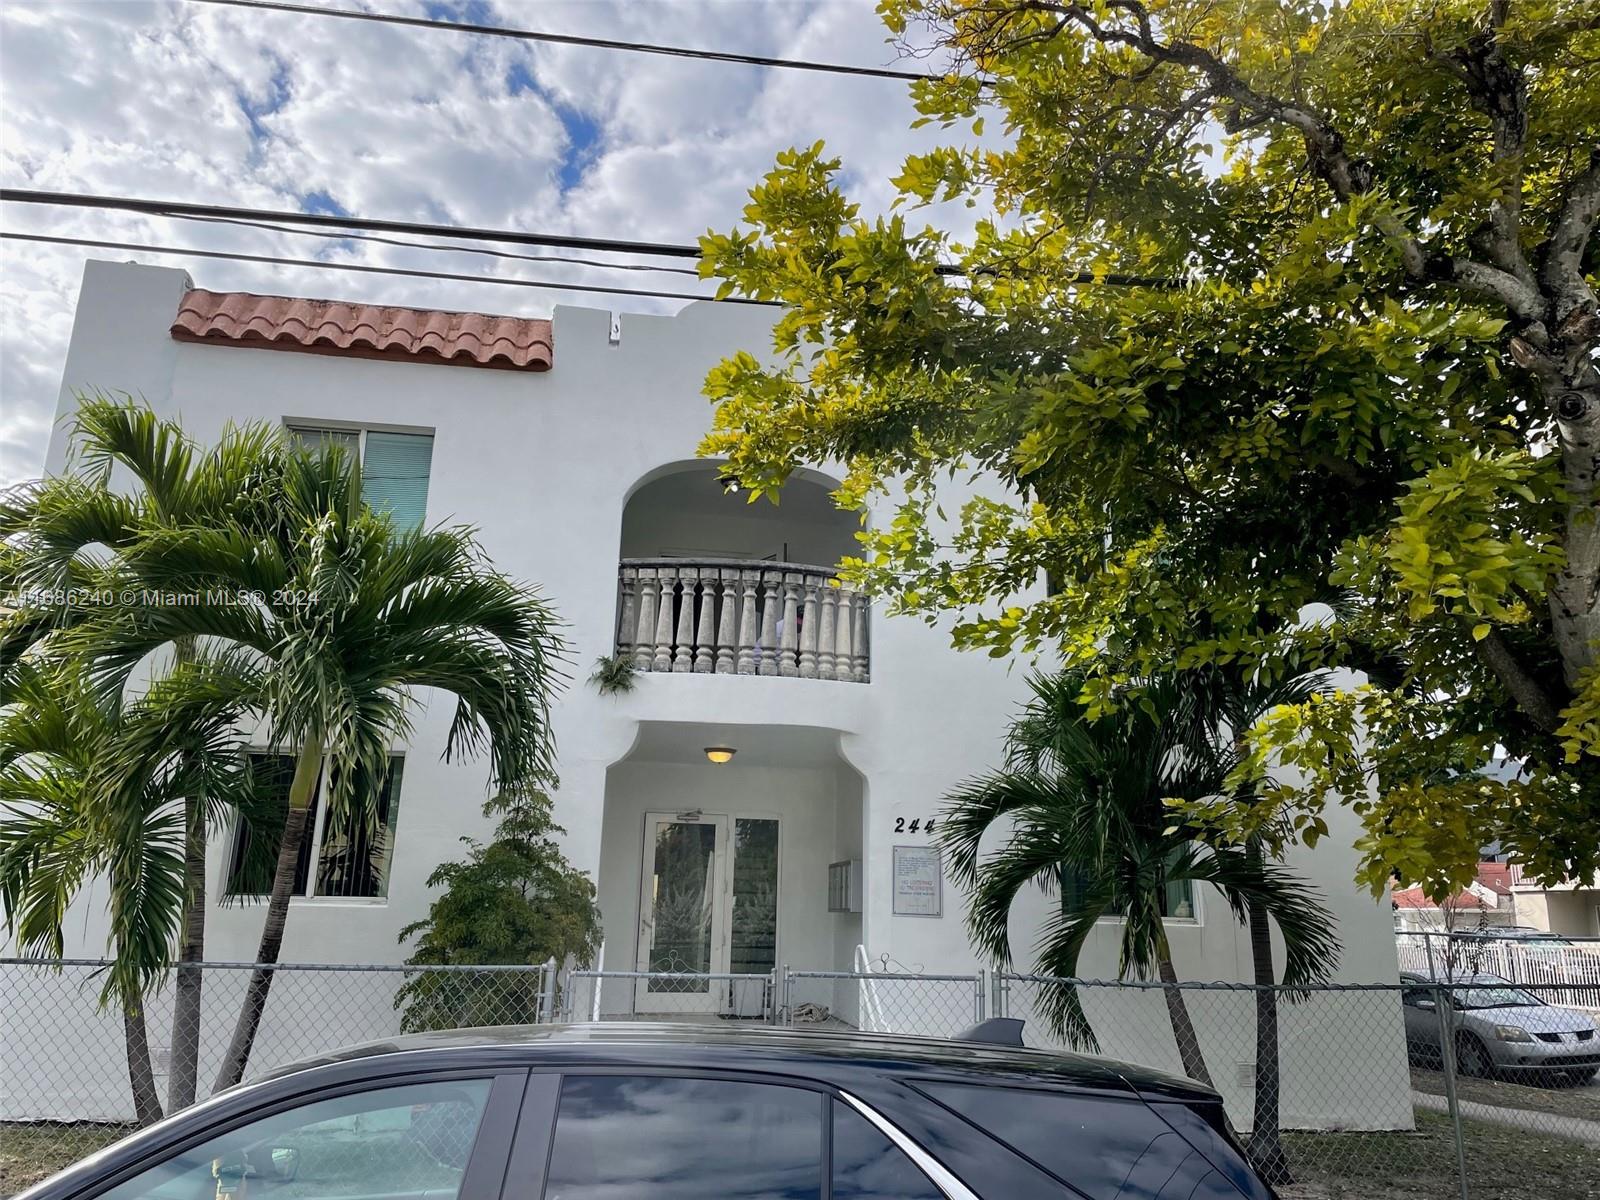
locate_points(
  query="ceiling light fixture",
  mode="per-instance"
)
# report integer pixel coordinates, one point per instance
(720, 754)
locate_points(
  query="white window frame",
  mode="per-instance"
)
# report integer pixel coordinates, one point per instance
(309, 425)
(1196, 920)
(360, 428)
(315, 834)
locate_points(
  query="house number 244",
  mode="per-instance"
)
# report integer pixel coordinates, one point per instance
(917, 823)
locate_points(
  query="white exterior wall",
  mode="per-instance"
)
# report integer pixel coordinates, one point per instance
(542, 464)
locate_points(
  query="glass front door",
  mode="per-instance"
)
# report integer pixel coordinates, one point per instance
(708, 905)
(682, 914)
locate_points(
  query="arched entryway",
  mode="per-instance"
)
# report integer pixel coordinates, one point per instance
(722, 869)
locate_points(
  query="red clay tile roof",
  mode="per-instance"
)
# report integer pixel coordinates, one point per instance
(364, 330)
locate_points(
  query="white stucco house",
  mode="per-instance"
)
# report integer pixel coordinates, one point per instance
(570, 445)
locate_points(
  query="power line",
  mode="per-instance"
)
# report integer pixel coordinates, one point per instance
(509, 255)
(570, 39)
(173, 208)
(317, 264)
(261, 216)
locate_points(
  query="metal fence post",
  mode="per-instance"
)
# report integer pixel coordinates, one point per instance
(547, 991)
(786, 1009)
(980, 994)
(1447, 1063)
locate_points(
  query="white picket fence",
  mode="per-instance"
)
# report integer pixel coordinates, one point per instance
(1569, 969)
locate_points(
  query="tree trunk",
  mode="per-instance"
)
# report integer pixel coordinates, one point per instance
(1194, 1063)
(301, 791)
(1265, 1147)
(141, 1078)
(182, 1083)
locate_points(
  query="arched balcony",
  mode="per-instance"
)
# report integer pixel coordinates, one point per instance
(711, 584)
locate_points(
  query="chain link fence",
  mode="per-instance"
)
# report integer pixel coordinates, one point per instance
(665, 996)
(1427, 1091)
(938, 1006)
(65, 1087)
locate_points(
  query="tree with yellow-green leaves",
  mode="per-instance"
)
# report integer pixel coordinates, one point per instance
(1268, 304)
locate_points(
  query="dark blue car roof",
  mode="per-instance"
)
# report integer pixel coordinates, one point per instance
(620, 1043)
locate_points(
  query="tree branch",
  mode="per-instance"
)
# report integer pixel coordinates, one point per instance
(1499, 90)
(1521, 297)
(1562, 272)
(1529, 694)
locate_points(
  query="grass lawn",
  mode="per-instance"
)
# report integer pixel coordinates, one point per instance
(1502, 1164)
(1563, 1101)
(29, 1153)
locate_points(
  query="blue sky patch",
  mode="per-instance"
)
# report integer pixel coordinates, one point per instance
(583, 131)
(472, 12)
(254, 110)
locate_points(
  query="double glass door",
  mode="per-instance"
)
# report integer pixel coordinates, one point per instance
(708, 905)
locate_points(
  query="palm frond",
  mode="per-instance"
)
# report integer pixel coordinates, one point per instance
(106, 433)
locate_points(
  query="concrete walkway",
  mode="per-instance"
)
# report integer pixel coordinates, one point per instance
(1574, 1129)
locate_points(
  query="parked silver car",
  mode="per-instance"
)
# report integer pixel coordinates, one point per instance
(1499, 1028)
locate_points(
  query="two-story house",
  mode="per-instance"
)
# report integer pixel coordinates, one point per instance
(779, 727)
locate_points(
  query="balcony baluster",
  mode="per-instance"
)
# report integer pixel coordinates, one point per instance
(782, 619)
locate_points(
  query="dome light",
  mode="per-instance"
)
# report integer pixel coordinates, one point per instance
(720, 754)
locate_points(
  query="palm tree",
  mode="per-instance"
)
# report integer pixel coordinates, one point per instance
(1087, 799)
(74, 531)
(64, 821)
(344, 617)
(1234, 699)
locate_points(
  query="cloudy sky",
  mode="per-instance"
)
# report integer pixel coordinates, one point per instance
(185, 101)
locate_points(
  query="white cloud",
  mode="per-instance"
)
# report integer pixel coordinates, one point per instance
(208, 104)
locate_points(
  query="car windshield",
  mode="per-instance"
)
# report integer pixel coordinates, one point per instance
(1482, 996)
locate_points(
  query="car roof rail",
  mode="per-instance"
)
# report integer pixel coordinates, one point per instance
(997, 1031)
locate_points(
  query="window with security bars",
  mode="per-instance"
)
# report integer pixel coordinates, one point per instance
(346, 855)
(394, 467)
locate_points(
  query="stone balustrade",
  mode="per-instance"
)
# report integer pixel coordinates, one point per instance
(737, 617)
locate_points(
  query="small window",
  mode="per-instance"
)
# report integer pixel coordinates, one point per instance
(394, 467)
(868, 1166)
(1177, 897)
(670, 1138)
(348, 854)
(1099, 1144)
(403, 1141)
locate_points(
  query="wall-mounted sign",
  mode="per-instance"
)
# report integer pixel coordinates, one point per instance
(918, 882)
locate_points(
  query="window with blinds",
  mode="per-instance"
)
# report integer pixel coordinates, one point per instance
(394, 467)
(394, 475)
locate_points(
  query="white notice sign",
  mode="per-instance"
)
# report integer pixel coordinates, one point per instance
(918, 882)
